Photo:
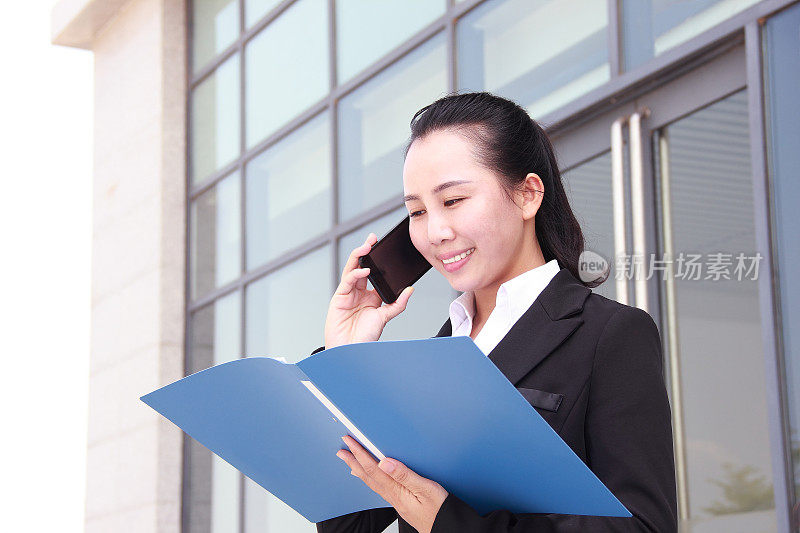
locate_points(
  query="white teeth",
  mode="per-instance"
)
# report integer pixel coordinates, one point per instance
(458, 257)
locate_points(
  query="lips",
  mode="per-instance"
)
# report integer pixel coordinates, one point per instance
(455, 263)
(449, 255)
(459, 257)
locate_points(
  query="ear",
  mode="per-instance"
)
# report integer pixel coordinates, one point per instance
(531, 193)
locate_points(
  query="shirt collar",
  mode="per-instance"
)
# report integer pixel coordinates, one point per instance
(514, 297)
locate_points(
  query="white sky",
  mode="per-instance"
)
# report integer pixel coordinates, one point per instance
(45, 267)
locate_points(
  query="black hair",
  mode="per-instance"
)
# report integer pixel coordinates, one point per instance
(509, 142)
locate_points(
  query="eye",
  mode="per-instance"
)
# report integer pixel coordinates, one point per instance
(447, 203)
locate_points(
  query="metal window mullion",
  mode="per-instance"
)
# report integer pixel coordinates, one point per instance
(332, 48)
(185, 492)
(338, 92)
(242, 229)
(207, 71)
(673, 351)
(452, 52)
(614, 32)
(462, 8)
(240, 163)
(274, 138)
(333, 110)
(244, 36)
(296, 253)
(768, 292)
(306, 115)
(266, 20)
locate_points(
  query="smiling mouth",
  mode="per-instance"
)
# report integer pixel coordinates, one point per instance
(458, 257)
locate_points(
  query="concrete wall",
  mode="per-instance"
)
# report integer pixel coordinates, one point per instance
(134, 455)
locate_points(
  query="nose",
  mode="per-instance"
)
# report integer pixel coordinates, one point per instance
(439, 229)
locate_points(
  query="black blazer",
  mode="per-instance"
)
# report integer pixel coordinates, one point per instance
(593, 369)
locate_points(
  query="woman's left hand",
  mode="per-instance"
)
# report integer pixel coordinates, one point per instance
(415, 498)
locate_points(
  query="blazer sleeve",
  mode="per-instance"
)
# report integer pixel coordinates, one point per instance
(369, 521)
(628, 442)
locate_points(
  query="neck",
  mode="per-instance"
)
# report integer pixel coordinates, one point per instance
(486, 298)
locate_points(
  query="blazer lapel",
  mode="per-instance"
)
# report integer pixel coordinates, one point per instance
(446, 330)
(547, 323)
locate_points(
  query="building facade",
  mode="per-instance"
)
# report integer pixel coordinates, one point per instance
(244, 147)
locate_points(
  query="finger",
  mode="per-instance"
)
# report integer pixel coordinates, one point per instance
(352, 261)
(380, 482)
(354, 276)
(416, 484)
(361, 282)
(350, 460)
(359, 452)
(350, 280)
(364, 466)
(392, 310)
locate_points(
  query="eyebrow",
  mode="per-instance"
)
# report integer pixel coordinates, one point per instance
(439, 188)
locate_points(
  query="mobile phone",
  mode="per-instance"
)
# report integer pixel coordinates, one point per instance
(394, 263)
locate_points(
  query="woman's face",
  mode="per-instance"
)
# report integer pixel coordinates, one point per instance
(457, 206)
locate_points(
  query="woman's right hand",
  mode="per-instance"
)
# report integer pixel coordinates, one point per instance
(356, 314)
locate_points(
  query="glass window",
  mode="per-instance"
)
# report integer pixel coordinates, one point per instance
(216, 236)
(255, 9)
(588, 188)
(286, 68)
(717, 321)
(213, 485)
(215, 121)
(363, 34)
(216, 333)
(782, 65)
(429, 306)
(651, 27)
(264, 513)
(214, 492)
(285, 317)
(289, 192)
(286, 309)
(542, 54)
(215, 25)
(374, 126)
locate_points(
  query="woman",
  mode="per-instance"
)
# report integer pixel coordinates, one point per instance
(488, 210)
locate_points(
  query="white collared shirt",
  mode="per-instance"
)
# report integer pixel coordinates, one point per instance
(514, 297)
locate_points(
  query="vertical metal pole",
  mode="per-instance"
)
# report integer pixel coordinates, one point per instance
(637, 206)
(618, 203)
(678, 427)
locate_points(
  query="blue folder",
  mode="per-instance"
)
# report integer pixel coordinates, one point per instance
(438, 405)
